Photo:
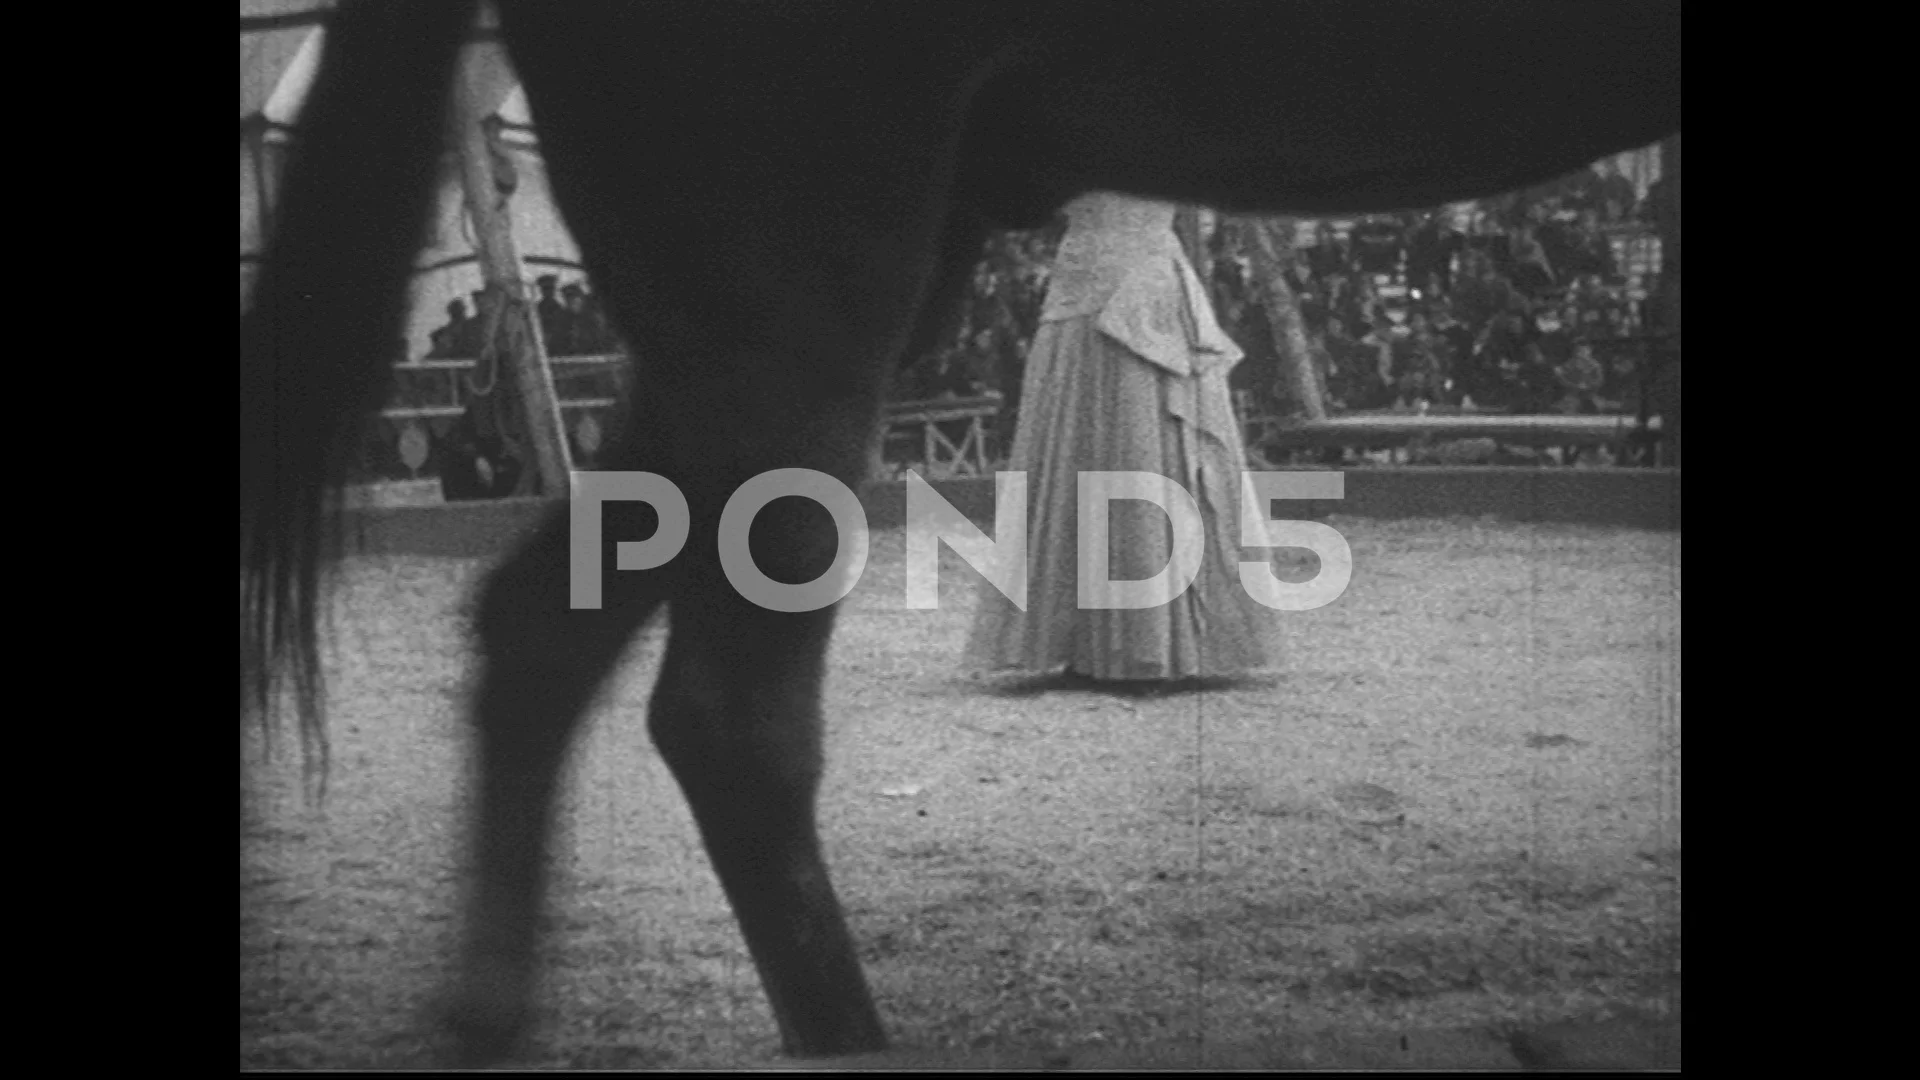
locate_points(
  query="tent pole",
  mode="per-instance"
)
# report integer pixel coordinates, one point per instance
(1270, 246)
(487, 192)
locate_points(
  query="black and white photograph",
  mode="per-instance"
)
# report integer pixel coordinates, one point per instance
(960, 535)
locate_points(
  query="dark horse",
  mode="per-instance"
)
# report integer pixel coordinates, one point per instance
(775, 198)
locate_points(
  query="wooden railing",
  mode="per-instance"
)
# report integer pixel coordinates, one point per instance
(430, 395)
(1386, 430)
(953, 434)
(949, 437)
(940, 437)
(456, 401)
(1267, 435)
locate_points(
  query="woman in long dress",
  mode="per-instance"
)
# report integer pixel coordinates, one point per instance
(1127, 372)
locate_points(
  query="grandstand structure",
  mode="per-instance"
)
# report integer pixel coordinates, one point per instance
(1636, 249)
(571, 402)
(406, 451)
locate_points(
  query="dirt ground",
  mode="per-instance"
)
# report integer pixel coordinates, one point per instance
(1451, 821)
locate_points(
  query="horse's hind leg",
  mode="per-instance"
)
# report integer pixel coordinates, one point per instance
(766, 280)
(543, 664)
(737, 717)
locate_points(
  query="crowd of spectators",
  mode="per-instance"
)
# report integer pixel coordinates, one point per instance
(572, 323)
(1517, 306)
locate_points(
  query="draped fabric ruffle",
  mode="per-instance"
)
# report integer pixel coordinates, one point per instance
(1135, 388)
(1160, 311)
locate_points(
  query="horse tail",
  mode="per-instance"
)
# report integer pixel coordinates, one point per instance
(317, 344)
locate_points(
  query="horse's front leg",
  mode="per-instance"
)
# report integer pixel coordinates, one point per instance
(795, 384)
(737, 717)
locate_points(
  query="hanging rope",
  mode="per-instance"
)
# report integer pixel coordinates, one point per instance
(497, 338)
(503, 332)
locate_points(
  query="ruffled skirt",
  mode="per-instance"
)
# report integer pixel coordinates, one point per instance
(1091, 403)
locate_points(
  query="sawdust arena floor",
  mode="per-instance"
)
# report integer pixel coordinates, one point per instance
(1453, 819)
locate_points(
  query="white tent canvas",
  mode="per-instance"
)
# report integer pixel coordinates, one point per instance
(278, 58)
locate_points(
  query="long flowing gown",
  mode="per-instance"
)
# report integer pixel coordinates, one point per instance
(1127, 372)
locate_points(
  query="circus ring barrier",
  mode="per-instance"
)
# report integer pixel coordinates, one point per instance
(1647, 498)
